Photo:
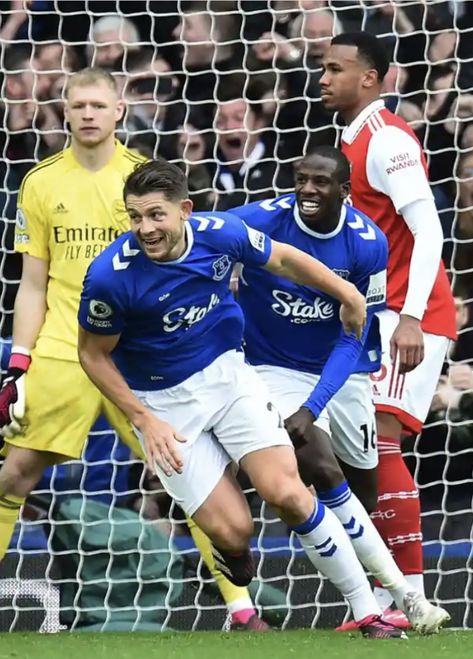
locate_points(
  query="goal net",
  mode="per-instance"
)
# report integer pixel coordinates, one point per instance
(99, 545)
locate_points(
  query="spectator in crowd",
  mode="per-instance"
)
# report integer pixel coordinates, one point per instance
(148, 91)
(461, 352)
(300, 57)
(111, 37)
(191, 148)
(54, 61)
(41, 23)
(394, 84)
(314, 30)
(209, 51)
(245, 166)
(462, 258)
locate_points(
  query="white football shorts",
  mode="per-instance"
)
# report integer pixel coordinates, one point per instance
(407, 396)
(349, 417)
(224, 412)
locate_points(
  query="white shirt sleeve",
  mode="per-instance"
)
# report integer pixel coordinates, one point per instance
(394, 167)
(422, 219)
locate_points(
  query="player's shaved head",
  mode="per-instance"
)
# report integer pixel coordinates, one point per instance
(157, 176)
(342, 171)
(91, 76)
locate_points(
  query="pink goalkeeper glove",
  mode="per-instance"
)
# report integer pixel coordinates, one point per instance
(12, 393)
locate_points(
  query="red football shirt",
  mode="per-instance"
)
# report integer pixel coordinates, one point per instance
(389, 171)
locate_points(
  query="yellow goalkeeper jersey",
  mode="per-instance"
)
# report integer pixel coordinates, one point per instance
(67, 215)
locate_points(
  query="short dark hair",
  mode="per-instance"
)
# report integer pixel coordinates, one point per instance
(370, 48)
(234, 88)
(157, 176)
(325, 151)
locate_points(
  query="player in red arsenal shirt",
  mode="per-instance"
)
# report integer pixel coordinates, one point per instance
(389, 182)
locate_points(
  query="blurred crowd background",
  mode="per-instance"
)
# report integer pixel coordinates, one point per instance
(230, 91)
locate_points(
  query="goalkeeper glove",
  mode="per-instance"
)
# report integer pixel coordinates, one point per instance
(12, 393)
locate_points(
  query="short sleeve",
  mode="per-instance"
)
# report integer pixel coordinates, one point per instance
(262, 215)
(370, 276)
(100, 309)
(394, 167)
(253, 247)
(31, 230)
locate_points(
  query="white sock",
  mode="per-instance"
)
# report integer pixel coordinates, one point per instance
(416, 582)
(383, 597)
(368, 544)
(330, 551)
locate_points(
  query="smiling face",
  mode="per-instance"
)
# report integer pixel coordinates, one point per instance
(319, 193)
(159, 224)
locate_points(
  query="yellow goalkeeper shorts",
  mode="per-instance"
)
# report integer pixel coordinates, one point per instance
(62, 405)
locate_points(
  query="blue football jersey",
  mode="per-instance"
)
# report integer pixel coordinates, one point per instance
(173, 318)
(295, 326)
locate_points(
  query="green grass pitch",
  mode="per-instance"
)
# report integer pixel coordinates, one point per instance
(212, 645)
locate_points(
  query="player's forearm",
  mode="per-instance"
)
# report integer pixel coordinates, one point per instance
(422, 219)
(30, 311)
(297, 266)
(107, 378)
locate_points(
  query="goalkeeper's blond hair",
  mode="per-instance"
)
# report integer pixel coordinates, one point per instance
(91, 75)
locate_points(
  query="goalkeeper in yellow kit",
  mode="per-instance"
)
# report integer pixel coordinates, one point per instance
(69, 209)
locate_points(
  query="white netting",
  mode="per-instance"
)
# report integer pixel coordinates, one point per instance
(257, 63)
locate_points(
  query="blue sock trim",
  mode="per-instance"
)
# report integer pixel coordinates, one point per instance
(313, 521)
(336, 496)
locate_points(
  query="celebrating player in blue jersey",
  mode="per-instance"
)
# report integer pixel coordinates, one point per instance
(317, 375)
(161, 337)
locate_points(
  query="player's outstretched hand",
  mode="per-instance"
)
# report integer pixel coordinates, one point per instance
(407, 344)
(353, 313)
(160, 440)
(298, 425)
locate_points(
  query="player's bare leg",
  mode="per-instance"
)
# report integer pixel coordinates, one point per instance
(274, 474)
(226, 519)
(240, 607)
(19, 474)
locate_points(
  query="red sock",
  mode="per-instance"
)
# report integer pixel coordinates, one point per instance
(397, 516)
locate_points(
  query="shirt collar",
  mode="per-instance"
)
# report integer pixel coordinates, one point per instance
(323, 236)
(254, 157)
(352, 130)
(71, 160)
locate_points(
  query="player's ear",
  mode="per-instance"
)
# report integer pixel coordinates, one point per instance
(370, 78)
(119, 110)
(344, 190)
(186, 208)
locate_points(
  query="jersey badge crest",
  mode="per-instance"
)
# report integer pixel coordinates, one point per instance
(221, 266)
(20, 219)
(99, 309)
